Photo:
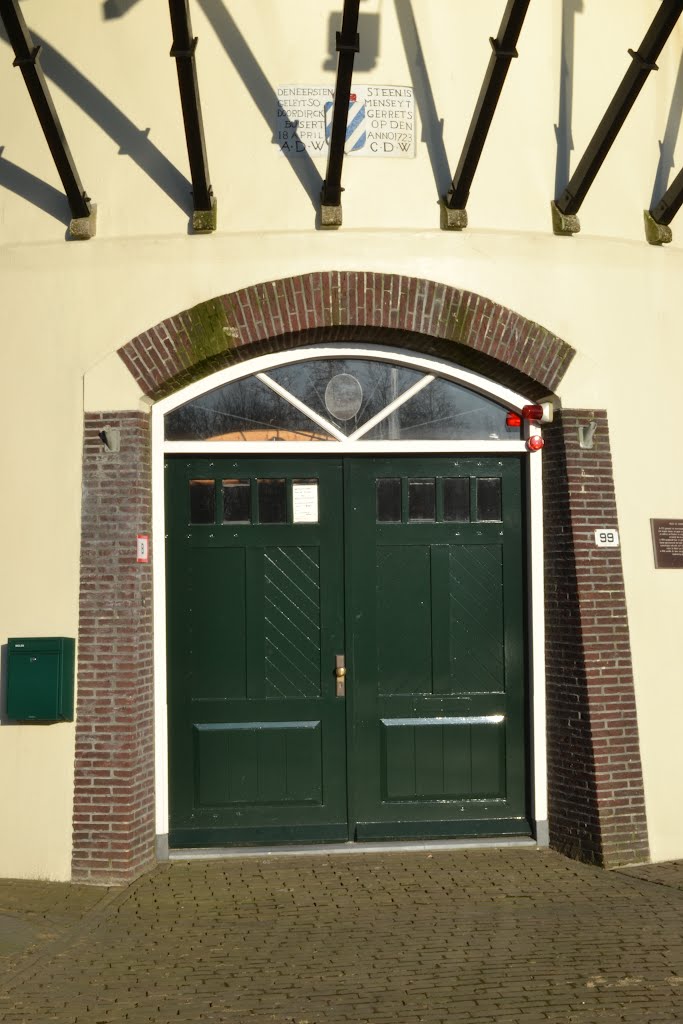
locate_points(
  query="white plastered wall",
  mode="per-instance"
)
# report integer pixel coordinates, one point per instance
(67, 307)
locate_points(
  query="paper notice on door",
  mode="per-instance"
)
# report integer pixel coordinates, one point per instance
(305, 502)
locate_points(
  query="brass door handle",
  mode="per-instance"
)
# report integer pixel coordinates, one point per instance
(340, 673)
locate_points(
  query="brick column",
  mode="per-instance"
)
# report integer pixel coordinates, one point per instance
(113, 829)
(597, 804)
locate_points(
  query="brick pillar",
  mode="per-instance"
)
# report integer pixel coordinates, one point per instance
(113, 830)
(597, 804)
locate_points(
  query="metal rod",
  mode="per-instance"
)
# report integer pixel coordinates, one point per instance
(642, 63)
(504, 50)
(347, 48)
(184, 46)
(27, 60)
(670, 203)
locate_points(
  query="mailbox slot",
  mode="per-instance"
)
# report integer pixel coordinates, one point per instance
(40, 679)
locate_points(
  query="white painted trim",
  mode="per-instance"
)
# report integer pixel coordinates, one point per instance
(392, 407)
(248, 448)
(159, 621)
(429, 365)
(416, 360)
(537, 680)
(301, 406)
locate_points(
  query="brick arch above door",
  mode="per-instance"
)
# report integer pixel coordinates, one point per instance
(345, 306)
(597, 807)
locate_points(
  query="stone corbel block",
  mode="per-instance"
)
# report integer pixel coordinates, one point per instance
(452, 220)
(656, 234)
(205, 221)
(82, 228)
(330, 216)
(564, 223)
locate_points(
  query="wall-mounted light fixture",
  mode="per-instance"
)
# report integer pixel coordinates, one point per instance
(586, 433)
(111, 438)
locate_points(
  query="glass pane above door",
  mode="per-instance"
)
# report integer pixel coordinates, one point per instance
(348, 392)
(339, 398)
(246, 410)
(444, 411)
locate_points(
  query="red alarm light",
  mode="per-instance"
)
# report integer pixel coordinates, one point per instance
(513, 419)
(533, 412)
(535, 443)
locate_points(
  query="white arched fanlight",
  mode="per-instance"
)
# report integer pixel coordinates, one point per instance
(342, 397)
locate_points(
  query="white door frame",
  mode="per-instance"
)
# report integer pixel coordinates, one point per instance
(439, 368)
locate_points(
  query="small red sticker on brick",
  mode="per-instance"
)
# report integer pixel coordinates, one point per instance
(143, 547)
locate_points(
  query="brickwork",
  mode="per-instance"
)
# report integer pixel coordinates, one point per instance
(597, 804)
(596, 791)
(114, 788)
(440, 937)
(335, 306)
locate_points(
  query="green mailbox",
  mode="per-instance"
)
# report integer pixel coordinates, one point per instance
(40, 679)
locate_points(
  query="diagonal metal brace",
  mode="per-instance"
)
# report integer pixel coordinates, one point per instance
(504, 46)
(183, 50)
(643, 62)
(670, 203)
(659, 217)
(348, 44)
(27, 59)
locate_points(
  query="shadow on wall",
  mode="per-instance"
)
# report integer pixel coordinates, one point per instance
(368, 31)
(432, 124)
(132, 141)
(667, 145)
(259, 88)
(116, 8)
(34, 190)
(563, 128)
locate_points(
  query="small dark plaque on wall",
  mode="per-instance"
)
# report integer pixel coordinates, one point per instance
(667, 538)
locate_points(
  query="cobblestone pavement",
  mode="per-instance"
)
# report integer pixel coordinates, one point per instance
(469, 937)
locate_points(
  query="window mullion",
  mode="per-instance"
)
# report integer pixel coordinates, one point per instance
(301, 406)
(388, 409)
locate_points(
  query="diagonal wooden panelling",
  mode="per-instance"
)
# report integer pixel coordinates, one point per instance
(292, 621)
(476, 618)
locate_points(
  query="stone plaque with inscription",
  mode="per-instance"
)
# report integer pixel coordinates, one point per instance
(667, 538)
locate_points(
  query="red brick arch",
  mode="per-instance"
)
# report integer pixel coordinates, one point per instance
(596, 798)
(348, 305)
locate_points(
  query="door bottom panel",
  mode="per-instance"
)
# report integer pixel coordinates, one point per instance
(188, 838)
(487, 827)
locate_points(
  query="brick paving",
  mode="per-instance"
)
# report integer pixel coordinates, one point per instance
(467, 937)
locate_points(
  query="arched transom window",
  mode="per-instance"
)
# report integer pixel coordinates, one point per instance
(331, 395)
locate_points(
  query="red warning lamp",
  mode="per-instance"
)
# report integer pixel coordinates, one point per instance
(535, 443)
(513, 419)
(533, 412)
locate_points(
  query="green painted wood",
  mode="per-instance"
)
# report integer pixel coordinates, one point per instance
(476, 605)
(257, 736)
(403, 651)
(431, 737)
(436, 657)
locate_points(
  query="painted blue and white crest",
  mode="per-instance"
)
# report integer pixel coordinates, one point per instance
(355, 126)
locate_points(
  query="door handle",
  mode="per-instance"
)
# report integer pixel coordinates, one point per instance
(340, 673)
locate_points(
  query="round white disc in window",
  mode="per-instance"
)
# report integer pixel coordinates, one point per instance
(343, 396)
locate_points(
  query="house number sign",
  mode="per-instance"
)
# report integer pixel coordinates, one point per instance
(605, 538)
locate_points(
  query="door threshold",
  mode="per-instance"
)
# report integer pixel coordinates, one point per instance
(329, 849)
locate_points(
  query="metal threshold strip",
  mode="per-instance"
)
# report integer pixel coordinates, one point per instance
(332, 849)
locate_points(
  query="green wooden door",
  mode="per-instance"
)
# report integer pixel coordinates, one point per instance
(435, 601)
(267, 560)
(255, 618)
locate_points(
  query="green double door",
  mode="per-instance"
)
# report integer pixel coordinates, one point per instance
(406, 571)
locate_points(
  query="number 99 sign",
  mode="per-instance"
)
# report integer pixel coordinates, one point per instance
(605, 538)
